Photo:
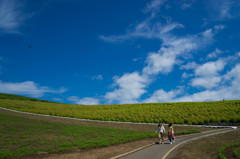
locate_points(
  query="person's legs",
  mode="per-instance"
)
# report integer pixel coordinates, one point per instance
(161, 137)
(170, 138)
(173, 138)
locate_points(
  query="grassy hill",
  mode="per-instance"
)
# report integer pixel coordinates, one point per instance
(179, 113)
(18, 97)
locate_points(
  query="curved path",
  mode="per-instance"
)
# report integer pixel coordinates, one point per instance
(161, 151)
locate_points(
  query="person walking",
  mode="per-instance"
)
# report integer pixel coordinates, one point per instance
(171, 136)
(160, 131)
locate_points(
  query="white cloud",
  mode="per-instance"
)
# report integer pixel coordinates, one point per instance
(137, 59)
(162, 96)
(228, 90)
(58, 99)
(27, 88)
(207, 74)
(186, 75)
(238, 54)
(190, 65)
(84, 101)
(227, 93)
(204, 96)
(14, 13)
(97, 77)
(11, 16)
(233, 75)
(214, 54)
(146, 29)
(210, 68)
(206, 82)
(133, 85)
(161, 62)
(154, 6)
(130, 88)
(224, 10)
(172, 47)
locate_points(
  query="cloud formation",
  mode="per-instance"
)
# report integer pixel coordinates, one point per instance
(214, 54)
(83, 101)
(146, 29)
(28, 88)
(9, 16)
(161, 95)
(129, 89)
(131, 86)
(14, 14)
(97, 77)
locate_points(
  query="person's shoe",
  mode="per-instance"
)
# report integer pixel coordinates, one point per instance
(170, 142)
(173, 141)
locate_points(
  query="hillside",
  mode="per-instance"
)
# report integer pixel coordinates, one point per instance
(196, 113)
(18, 97)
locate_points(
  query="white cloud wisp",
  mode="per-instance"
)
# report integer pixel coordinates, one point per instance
(27, 88)
(83, 101)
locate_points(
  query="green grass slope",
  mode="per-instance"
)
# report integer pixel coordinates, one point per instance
(22, 136)
(18, 97)
(178, 113)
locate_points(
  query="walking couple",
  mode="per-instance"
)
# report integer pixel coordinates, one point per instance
(161, 130)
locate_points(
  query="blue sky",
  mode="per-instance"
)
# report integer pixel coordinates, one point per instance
(117, 52)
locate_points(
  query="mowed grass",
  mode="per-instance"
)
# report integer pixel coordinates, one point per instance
(22, 136)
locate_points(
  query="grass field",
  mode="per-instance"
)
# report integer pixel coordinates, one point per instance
(179, 113)
(22, 136)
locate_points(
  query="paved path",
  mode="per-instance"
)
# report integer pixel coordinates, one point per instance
(160, 151)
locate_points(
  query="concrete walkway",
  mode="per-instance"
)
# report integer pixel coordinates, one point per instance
(161, 151)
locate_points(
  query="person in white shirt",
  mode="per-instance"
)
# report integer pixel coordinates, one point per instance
(160, 131)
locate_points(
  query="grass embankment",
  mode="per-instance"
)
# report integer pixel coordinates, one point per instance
(178, 113)
(21, 136)
(209, 147)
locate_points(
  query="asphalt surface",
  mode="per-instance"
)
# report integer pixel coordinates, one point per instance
(160, 151)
